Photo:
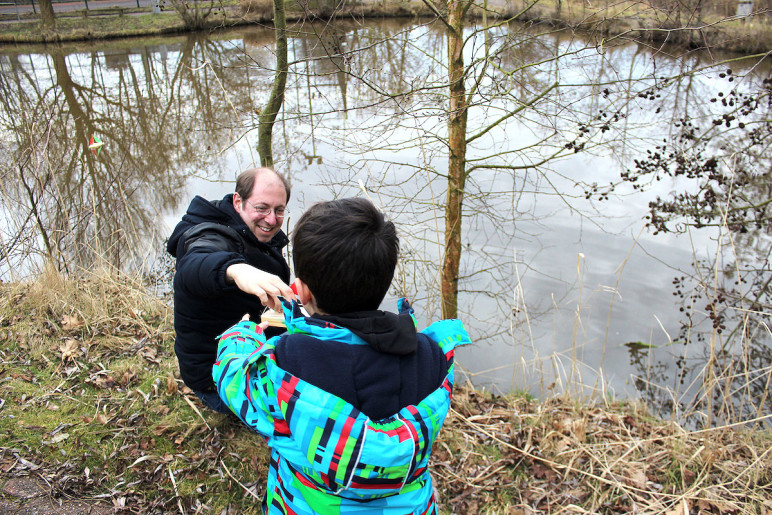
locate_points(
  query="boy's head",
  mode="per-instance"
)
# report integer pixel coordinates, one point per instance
(345, 251)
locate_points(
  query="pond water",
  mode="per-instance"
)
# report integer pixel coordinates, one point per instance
(561, 290)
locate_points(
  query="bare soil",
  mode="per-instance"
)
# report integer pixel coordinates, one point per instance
(30, 495)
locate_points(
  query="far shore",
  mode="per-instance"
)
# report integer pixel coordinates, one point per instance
(746, 36)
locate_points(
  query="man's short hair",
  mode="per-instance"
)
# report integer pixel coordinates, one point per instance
(245, 182)
(346, 252)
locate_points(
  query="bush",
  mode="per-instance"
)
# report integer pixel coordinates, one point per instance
(257, 8)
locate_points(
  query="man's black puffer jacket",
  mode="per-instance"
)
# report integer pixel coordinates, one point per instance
(211, 237)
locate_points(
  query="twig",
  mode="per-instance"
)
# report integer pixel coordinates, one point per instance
(250, 492)
(176, 493)
(196, 410)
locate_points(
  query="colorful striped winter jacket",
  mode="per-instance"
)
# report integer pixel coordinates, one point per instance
(326, 456)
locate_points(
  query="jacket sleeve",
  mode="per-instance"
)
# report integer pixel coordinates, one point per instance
(206, 255)
(240, 377)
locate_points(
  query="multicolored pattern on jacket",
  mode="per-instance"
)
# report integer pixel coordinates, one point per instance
(326, 456)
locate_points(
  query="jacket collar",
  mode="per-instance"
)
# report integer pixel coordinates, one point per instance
(384, 331)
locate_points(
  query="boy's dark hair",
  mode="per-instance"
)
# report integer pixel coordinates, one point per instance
(346, 252)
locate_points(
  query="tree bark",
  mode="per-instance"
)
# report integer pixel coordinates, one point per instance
(456, 159)
(275, 101)
(47, 17)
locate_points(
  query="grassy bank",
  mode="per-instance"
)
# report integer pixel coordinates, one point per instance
(715, 28)
(122, 23)
(91, 404)
(98, 24)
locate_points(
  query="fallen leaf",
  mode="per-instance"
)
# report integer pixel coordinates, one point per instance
(69, 349)
(636, 475)
(71, 322)
(681, 509)
(102, 381)
(127, 377)
(150, 354)
(540, 471)
(58, 437)
(171, 385)
(143, 458)
(161, 428)
(71, 370)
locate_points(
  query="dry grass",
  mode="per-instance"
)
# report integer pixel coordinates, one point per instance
(88, 382)
(512, 455)
(96, 304)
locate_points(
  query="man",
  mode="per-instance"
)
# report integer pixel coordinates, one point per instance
(229, 262)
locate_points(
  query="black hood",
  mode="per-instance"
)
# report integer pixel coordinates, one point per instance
(382, 330)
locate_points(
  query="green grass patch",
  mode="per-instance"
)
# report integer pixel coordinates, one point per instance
(93, 27)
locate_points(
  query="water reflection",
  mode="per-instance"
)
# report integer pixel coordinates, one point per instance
(153, 107)
(553, 282)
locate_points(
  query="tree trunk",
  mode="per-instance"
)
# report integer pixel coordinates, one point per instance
(47, 17)
(456, 159)
(275, 101)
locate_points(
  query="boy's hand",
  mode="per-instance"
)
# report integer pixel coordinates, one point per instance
(267, 287)
(262, 325)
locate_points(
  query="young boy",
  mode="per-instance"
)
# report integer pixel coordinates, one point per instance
(350, 398)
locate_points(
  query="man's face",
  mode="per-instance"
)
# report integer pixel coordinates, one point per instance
(259, 210)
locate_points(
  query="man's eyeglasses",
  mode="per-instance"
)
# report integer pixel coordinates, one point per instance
(265, 211)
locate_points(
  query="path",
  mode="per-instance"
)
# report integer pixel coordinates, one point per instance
(27, 495)
(13, 8)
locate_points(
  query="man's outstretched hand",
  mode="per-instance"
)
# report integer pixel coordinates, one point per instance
(267, 287)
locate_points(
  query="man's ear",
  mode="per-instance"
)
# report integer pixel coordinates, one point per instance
(237, 202)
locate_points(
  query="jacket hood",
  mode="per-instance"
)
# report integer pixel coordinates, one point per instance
(384, 331)
(199, 211)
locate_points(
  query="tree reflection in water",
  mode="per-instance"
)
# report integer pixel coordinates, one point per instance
(160, 111)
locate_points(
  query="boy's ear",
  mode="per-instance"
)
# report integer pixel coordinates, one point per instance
(304, 294)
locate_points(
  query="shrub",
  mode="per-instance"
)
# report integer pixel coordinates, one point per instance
(257, 8)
